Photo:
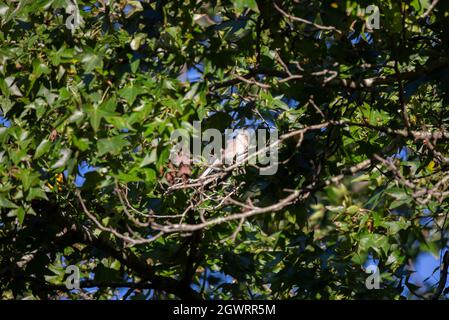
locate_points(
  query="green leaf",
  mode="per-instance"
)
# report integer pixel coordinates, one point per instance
(240, 5)
(98, 112)
(5, 203)
(82, 144)
(4, 88)
(130, 93)
(379, 243)
(42, 148)
(36, 193)
(396, 226)
(112, 145)
(149, 158)
(20, 213)
(92, 61)
(150, 175)
(39, 68)
(28, 178)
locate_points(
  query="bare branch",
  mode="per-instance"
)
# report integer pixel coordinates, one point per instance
(430, 9)
(100, 226)
(315, 25)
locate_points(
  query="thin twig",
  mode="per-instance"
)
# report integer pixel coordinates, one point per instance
(430, 9)
(100, 226)
(317, 26)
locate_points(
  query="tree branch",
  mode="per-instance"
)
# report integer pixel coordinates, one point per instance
(334, 81)
(81, 233)
(443, 276)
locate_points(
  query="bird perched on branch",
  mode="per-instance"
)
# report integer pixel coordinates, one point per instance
(236, 150)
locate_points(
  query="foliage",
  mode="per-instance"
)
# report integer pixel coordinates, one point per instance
(85, 175)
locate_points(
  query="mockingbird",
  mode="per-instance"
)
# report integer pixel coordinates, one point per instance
(236, 148)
